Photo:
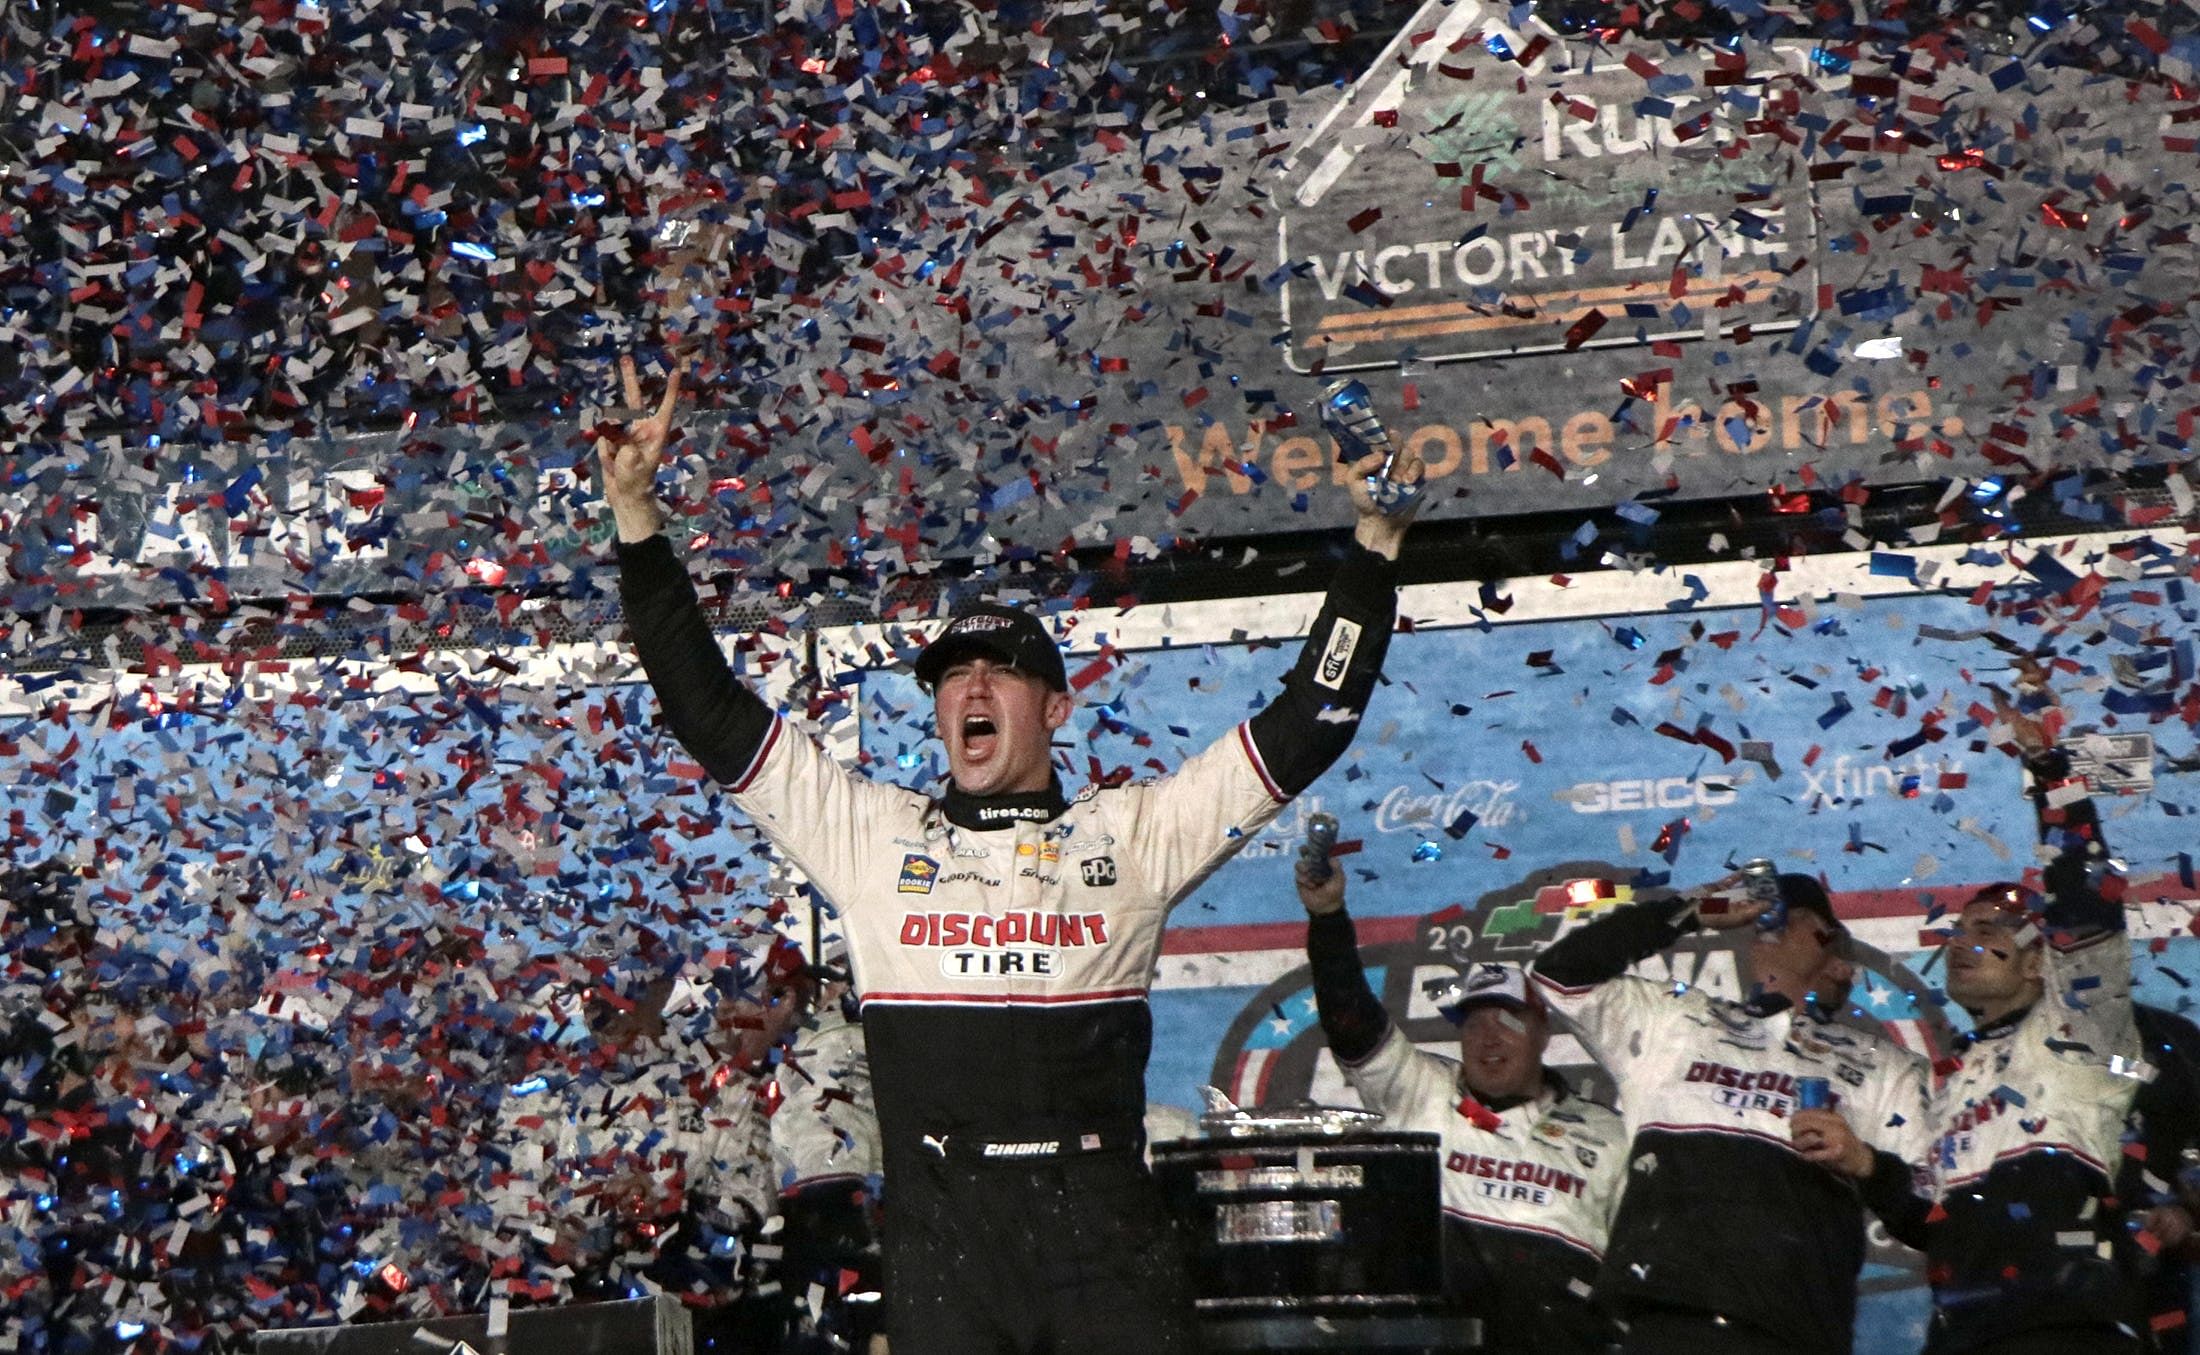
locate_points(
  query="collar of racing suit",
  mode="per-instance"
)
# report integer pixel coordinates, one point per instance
(984, 813)
(1761, 1004)
(1555, 1086)
(1994, 1030)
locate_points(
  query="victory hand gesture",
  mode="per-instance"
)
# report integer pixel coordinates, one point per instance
(631, 452)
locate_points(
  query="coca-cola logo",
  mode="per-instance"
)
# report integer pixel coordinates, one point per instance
(1405, 811)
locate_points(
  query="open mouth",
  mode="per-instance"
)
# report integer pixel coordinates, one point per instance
(978, 735)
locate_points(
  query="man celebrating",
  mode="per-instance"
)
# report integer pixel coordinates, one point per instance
(1728, 1242)
(2023, 1221)
(1532, 1172)
(1003, 935)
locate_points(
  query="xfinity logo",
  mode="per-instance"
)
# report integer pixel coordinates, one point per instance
(1842, 779)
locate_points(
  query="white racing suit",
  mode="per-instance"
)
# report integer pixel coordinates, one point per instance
(1529, 1187)
(2027, 1180)
(1721, 1218)
(1003, 947)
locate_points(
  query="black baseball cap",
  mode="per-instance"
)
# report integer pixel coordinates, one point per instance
(1802, 892)
(1009, 635)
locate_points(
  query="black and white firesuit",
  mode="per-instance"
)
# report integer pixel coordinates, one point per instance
(1723, 1227)
(1529, 1185)
(1003, 947)
(2026, 1178)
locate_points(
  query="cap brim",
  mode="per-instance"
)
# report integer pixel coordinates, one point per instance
(1491, 1000)
(941, 653)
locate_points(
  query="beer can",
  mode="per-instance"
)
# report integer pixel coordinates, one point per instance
(1761, 880)
(1761, 883)
(1348, 412)
(1813, 1093)
(1321, 840)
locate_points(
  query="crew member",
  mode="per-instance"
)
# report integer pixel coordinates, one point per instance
(824, 1139)
(1727, 1239)
(1532, 1172)
(1002, 934)
(2022, 1219)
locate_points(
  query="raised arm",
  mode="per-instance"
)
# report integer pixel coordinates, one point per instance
(1187, 824)
(1353, 1018)
(716, 717)
(798, 797)
(2089, 967)
(1604, 949)
(1390, 1074)
(1306, 728)
(2078, 907)
(1583, 975)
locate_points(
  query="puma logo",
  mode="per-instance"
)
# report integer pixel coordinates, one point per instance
(937, 1145)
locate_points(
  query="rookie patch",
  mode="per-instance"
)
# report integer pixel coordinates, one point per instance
(917, 874)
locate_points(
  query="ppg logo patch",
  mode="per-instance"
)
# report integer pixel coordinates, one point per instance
(917, 874)
(1099, 871)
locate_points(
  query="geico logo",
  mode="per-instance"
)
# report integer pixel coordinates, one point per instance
(1668, 792)
(1009, 929)
(1001, 964)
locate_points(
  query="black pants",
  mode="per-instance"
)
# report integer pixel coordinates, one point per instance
(1677, 1331)
(1071, 1256)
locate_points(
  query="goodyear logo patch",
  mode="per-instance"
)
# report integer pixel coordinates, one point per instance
(917, 874)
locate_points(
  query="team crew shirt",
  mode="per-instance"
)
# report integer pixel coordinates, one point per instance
(1721, 1216)
(2021, 1216)
(1003, 947)
(1529, 1185)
